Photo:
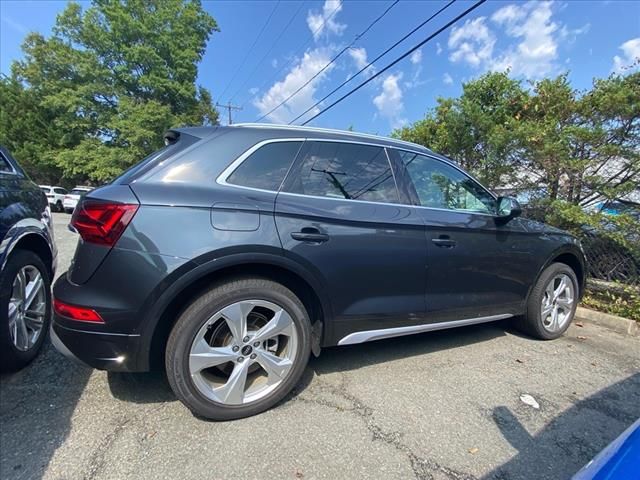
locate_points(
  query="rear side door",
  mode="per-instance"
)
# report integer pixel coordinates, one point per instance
(339, 213)
(477, 266)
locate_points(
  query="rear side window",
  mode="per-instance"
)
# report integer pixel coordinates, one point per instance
(60, 191)
(266, 167)
(346, 171)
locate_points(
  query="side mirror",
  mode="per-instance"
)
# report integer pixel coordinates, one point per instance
(508, 208)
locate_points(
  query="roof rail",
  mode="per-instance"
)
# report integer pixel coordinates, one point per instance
(327, 130)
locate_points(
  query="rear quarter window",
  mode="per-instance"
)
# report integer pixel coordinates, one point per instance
(266, 167)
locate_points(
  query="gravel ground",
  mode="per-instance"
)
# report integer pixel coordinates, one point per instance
(443, 405)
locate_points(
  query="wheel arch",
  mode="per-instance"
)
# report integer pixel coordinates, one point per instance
(571, 256)
(184, 290)
(27, 235)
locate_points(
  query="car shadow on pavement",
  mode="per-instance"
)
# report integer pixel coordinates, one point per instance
(36, 409)
(148, 387)
(153, 387)
(571, 439)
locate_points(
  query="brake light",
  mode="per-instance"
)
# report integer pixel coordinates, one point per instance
(80, 314)
(102, 222)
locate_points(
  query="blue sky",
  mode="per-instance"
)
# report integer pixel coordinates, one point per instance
(534, 39)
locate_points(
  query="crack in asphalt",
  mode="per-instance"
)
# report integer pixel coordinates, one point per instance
(422, 468)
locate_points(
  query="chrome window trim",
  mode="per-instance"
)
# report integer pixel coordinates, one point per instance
(222, 178)
(329, 130)
(371, 335)
(226, 173)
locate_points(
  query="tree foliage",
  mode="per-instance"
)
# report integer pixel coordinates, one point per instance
(548, 140)
(101, 91)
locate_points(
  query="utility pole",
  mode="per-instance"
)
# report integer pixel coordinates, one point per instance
(229, 107)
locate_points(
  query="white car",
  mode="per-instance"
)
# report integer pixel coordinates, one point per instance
(71, 199)
(55, 196)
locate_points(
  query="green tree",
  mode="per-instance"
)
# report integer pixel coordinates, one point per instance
(112, 78)
(479, 129)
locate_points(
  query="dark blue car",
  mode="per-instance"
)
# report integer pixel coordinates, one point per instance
(27, 265)
(234, 252)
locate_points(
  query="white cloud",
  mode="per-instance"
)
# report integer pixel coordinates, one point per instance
(389, 101)
(438, 48)
(325, 20)
(416, 57)
(630, 59)
(274, 62)
(254, 90)
(472, 42)
(537, 38)
(447, 79)
(359, 56)
(310, 64)
(537, 51)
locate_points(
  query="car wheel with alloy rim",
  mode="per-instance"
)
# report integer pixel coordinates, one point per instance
(25, 309)
(552, 303)
(238, 349)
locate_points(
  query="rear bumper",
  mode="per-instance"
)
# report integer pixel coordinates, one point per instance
(104, 351)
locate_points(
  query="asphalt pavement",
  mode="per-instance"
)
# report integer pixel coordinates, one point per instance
(441, 405)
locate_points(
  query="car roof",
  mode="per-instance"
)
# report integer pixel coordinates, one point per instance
(275, 130)
(80, 187)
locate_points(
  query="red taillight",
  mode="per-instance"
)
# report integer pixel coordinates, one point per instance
(102, 222)
(80, 314)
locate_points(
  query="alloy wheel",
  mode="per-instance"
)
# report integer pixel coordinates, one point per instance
(27, 308)
(557, 303)
(243, 352)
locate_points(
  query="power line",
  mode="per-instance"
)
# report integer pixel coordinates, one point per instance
(401, 57)
(286, 27)
(250, 49)
(357, 37)
(406, 54)
(373, 61)
(311, 37)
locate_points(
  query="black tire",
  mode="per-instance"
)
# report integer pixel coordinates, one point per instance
(59, 206)
(531, 322)
(68, 210)
(195, 316)
(11, 358)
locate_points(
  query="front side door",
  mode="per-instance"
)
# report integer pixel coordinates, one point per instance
(339, 214)
(477, 267)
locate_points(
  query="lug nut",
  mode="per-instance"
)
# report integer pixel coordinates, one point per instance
(235, 348)
(253, 355)
(245, 339)
(240, 359)
(257, 344)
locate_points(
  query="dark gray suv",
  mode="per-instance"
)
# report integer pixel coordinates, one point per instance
(232, 253)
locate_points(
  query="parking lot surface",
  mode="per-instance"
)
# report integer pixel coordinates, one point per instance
(443, 405)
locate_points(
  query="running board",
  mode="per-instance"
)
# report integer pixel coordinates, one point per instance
(370, 335)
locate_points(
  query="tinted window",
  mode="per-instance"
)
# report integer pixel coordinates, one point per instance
(45, 189)
(345, 170)
(60, 191)
(439, 185)
(4, 165)
(78, 192)
(266, 167)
